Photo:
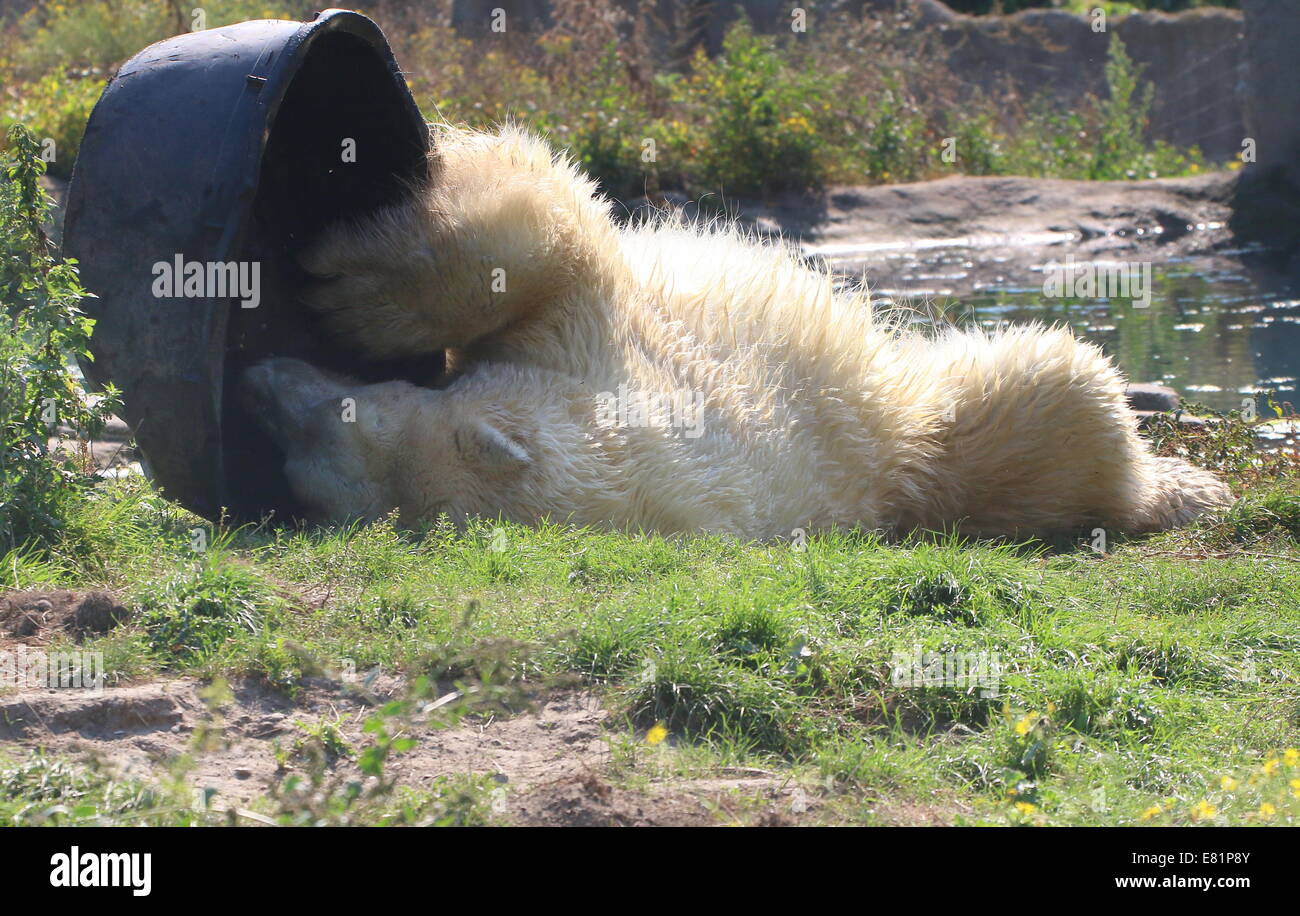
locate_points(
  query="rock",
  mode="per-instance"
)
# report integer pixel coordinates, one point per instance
(1268, 194)
(1272, 102)
(1150, 396)
(1009, 227)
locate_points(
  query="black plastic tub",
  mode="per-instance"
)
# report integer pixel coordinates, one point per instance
(233, 145)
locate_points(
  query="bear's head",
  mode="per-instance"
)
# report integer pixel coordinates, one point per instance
(355, 451)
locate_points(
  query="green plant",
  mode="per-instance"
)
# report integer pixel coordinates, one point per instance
(605, 124)
(93, 36)
(42, 790)
(196, 609)
(759, 119)
(980, 149)
(1226, 442)
(42, 329)
(1123, 117)
(892, 147)
(322, 741)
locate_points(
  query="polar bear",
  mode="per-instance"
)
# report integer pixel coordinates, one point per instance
(577, 349)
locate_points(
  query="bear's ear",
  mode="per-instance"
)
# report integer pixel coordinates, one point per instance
(482, 445)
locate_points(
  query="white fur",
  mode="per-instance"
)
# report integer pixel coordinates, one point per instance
(817, 412)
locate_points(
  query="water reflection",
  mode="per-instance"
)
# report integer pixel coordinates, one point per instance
(1216, 330)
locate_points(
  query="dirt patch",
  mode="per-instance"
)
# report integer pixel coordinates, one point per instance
(587, 801)
(912, 813)
(750, 798)
(36, 617)
(61, 717)
(551, 759)
(562, 734)
(133, 730)
(590, 801)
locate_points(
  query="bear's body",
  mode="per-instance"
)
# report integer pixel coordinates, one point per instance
(815, 413)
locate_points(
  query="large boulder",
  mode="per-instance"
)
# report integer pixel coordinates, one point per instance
(1268, 199)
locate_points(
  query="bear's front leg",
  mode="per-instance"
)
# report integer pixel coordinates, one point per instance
(503, 232)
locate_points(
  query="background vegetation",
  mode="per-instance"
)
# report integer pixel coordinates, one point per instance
(852, 102)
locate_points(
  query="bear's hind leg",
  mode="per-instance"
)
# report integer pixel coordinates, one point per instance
(1176, 493)
(1043, 440)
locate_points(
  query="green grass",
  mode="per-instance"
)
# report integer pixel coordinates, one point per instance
(1125, 683)
(47, 791)
(42, 790)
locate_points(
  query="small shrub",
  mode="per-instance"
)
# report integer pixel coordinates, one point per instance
(1099, 704)
(1028, 744)
(42, 790)
(760, 121)
(607, 131)
(609, 646)
(192, 612)
(42, 329)
(893, 147)
(1167, 661)
(94, 36)
(690, 692)
(1226, 443)
(1271, 511)
(749, 632)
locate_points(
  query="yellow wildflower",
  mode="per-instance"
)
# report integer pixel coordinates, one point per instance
(656, 735)
(1153, 811)
(1203, 809)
